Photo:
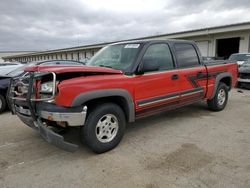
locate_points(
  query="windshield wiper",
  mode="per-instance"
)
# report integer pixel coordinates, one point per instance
(105, 66)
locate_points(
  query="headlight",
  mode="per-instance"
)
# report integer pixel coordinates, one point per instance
(47, 87)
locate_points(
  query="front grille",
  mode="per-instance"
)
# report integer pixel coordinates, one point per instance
(19, 88)
(244, 75)
(28, 88)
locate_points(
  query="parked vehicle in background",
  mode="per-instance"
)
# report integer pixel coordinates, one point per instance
(218, 60)
(209, 58)
(9, 63)
(244, 75)
(121, 83)
(19, 72)
(240, 58)
(6, 68)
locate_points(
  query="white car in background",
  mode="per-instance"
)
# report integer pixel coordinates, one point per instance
(8, 67)
(240, 58)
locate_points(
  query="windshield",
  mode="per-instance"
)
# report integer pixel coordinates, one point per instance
(239, 57)
(120, 56)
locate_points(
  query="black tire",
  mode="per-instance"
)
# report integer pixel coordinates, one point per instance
(215, 104)
(90, 130)
(2, 103)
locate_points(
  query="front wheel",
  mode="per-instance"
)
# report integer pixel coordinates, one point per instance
(219, 101)
(104, 127)
(2, 103)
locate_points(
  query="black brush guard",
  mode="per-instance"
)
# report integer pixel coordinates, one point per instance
(32, 120)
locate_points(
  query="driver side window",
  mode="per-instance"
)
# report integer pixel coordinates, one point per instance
(161, 54)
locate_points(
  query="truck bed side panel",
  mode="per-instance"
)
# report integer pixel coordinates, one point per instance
(215, 70)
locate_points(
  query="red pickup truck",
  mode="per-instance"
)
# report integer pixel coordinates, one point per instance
(121, 83)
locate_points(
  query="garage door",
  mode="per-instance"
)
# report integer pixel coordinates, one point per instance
(203, 46)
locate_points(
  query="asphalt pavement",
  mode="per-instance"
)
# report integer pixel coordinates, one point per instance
(187, 147)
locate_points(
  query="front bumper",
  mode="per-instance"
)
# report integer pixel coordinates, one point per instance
(48, 134)
(46, 111)
(72, 116)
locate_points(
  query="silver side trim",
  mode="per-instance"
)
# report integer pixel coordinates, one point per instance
(170, 98)
(161, 100)
(187, 94)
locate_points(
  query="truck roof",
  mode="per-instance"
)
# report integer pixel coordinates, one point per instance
(153, 41)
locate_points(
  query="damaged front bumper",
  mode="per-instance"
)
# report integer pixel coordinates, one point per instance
(39, 114)
(70, 116)
(74, 116)
(47, 133)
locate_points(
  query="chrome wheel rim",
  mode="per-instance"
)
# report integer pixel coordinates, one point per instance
(221, 97)
(107, 128)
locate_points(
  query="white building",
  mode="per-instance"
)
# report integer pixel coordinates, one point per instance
(11, 53)
(219, 41)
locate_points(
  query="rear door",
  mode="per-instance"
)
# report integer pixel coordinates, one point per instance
(192, 73)
(157, 90)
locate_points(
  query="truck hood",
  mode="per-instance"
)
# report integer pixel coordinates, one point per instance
(67, 69)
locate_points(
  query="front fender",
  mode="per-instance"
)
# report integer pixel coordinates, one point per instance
(87, 96)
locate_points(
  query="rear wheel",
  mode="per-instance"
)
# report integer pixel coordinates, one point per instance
(104, 127)
(219, 101)
(2, 103)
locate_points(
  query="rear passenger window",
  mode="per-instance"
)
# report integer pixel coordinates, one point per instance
(186, 55)
(160, 53)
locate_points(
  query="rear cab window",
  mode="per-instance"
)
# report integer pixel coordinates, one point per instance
(186, 55)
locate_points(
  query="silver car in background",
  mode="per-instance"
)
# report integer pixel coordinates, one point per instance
(7, 67)
(240, 58)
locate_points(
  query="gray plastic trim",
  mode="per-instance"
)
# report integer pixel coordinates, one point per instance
(85, 97)
(218, 79)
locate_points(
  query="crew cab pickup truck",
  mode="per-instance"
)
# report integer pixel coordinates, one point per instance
(121, 83)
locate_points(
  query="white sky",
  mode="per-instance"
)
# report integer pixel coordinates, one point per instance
(126, 6)
(51, 24)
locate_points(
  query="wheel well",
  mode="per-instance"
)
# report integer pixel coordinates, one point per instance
(120, 101)
(227, 81)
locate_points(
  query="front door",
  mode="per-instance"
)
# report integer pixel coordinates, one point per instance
(155, 91)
